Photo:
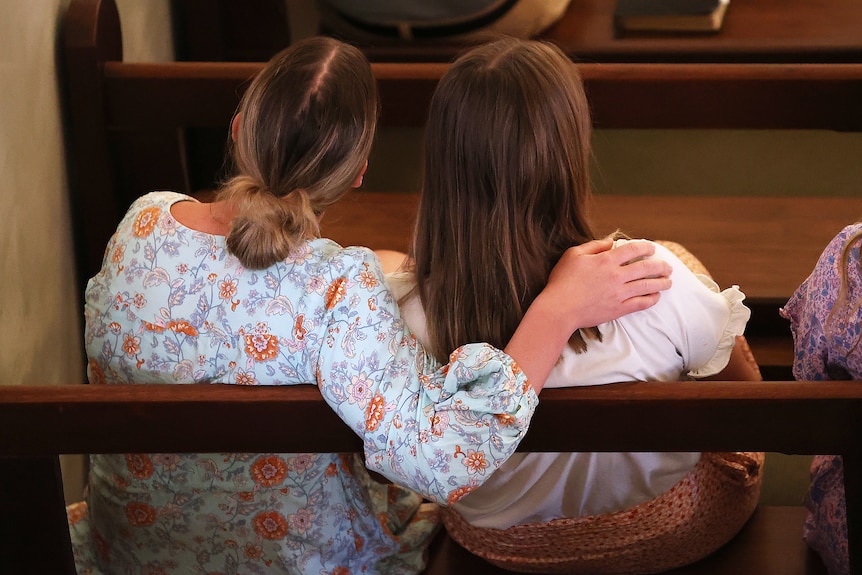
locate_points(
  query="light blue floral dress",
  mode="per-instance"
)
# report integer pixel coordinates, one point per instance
(171, 305)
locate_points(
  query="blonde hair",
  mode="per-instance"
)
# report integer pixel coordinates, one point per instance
(505, 189)
(307, 122)
(842, 306)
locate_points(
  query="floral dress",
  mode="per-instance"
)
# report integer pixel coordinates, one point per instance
(828, 352)
(171, 305)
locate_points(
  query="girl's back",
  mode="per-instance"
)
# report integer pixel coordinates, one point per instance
(690, 332)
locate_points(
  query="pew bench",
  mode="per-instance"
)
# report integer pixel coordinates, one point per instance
(37, 423)
(137, 127)
(753, 31)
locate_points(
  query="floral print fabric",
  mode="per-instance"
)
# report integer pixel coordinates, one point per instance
(828, 351)
(171, 305)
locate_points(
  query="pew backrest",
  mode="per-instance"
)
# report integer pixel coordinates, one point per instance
(136, 127)
(37, 423)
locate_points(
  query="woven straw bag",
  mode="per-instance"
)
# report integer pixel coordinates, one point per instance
(702, 512)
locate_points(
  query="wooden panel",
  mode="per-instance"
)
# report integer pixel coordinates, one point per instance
(229, 30)
(680, 416)
(788, 31)
(766, 245)
(748, 96)
(753, 31)
(33, 528)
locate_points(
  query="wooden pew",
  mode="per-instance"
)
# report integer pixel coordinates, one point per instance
(789, 31)
(131, 126)
(138, 127)
(129, 122)
(39, 422)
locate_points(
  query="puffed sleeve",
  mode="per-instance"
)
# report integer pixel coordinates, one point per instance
(440, 430)
(702, 320)
(822, 351)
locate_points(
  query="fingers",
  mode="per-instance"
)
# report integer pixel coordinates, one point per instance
(639, 303)
(645, 287)
(593, 247)
(632, 251)
(646, 268)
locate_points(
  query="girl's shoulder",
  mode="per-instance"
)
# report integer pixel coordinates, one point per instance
(676, 255)
(828, 269)
(848, 235)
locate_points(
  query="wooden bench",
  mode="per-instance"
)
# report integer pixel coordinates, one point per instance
(138, 127)
(790, 31)
(135, 128)
(39, 422)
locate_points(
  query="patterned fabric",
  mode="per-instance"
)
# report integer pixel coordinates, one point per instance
(171, 305)
(828, 352)
(694, 518)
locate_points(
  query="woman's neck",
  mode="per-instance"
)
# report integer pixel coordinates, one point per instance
(212, 218)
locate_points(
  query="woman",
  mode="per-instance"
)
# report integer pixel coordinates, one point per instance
(244, 291)
(505, 191)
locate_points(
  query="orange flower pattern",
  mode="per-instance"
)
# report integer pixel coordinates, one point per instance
(270, 525)
(376, 410)
(260, 344)
(335, 292)
(269, 471)
(140, 466)
(173, 306)
(457, 494)
(140, 514)
(145, 222)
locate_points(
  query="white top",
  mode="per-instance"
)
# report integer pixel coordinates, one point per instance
(690, 332)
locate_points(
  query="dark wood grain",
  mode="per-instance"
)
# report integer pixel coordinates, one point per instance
(672, 416)
(766, 245)
(754, 31)
(38, 422)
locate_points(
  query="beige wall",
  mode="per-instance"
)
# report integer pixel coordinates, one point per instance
(40, 341)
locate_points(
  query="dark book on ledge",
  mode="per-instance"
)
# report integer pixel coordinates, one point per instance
(670, 15)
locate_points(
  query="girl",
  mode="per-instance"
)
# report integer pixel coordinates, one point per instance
(244, 292)
(825, 317)
(506, 191)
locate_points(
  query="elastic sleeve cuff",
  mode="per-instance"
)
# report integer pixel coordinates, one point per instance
(737, 319)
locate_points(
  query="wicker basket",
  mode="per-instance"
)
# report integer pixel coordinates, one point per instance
(694, 518)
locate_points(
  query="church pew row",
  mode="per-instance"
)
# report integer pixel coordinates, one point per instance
(137, 127)
(37, 423)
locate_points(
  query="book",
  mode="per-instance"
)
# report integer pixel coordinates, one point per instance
(670, 15)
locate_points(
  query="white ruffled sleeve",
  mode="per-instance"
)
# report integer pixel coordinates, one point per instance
(736, 316)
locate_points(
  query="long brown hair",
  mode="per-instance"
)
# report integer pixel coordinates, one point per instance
(505, 189)
(307, 124)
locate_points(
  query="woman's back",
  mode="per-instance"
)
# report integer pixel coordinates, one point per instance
(206, 319)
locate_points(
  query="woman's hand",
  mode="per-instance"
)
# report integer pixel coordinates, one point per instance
(593, 284)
